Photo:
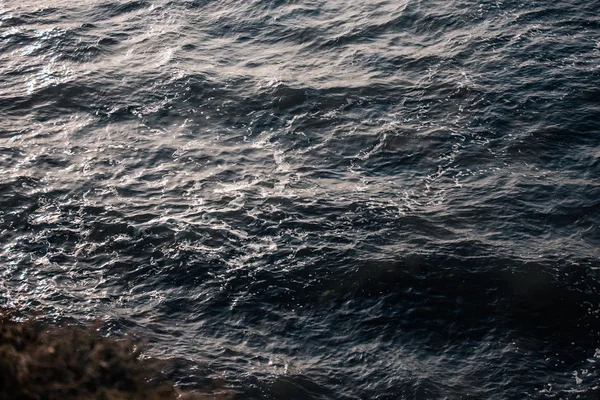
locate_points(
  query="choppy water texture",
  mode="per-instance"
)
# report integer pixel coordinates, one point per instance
(313, 199)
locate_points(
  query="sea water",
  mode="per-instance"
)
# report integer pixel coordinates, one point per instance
(316, 199)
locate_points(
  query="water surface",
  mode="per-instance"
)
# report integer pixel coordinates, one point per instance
(312, 199)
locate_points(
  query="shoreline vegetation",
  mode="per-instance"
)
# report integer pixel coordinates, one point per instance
(65, 362)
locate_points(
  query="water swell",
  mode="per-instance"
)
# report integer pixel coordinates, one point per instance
(317, 200)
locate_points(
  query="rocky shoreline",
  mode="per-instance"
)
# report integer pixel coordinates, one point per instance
(69, 361)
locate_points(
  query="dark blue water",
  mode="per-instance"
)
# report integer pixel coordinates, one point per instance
(312, 199)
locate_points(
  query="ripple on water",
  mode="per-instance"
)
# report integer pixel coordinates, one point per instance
(316, 200)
